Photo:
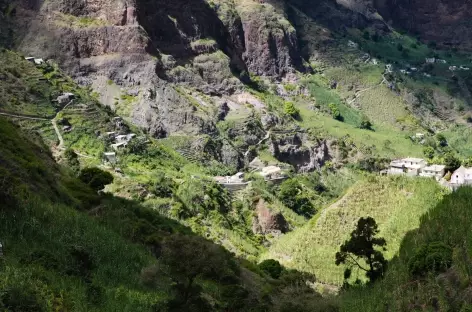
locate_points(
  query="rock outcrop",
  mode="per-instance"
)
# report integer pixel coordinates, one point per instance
(445, 22)
(268, 222)
(303, 154)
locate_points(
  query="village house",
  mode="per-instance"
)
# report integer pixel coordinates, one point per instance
(430, 60)
(352, 44)
(462, 176)
(452, 68)
(441, 61)
(119, 145)
(409, 166)
(110, 157)
(433, 171)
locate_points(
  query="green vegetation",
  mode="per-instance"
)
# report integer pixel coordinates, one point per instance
(291, 110)
(363, 246)
(432, 268)
(293, 196)
(95, 178)
(271, 267)
(396, 203)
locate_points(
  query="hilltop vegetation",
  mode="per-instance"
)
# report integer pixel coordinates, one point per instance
(328, 93)
(441, 287)
(397, 205)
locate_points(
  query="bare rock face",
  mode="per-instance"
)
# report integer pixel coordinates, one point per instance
(271, 42)
(445, 22)
(301, 153)
(164, 111)
(268, 222)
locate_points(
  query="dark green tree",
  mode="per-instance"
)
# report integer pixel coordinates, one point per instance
(164, 186)
(442, 141)
(433, 257)
(290, 109)
(271, 267)
(451, 162)
(72, 160)
(335, 113)
(428, 152)
(185, 260)
(292, 195)
(95, 178)
(137, 146)
(363, 245)
(365, 123)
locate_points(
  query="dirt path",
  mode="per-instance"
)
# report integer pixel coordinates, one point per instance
(358, 93)
(59, 135)
(61, 145)
(23, 116)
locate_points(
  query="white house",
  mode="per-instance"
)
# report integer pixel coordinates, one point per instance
(352, 44)
(410, 166)
(462, 176)
(117, 146)
(110, 157)
(433, 171)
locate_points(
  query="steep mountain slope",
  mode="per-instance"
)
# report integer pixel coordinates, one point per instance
(324, 89)
(446, 288)
(66, 248)
(396, 203)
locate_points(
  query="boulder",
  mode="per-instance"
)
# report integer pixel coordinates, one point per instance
(267, 221)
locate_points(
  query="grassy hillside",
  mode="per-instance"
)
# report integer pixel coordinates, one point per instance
(65, 248)
(396, 204)
(444, 290)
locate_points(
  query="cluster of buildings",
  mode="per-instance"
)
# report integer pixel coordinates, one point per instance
(237, 182)
(416, 167)
(36, 61)
(120, 140)
(455, 68)
(419, 167)
(433, 60)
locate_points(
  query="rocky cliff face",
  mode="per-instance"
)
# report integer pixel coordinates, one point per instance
(302, 153)
(141, 49)
(445, 22)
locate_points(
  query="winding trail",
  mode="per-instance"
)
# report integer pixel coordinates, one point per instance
(59, 135)
(53, 120)
(23, 116)
(358, 93)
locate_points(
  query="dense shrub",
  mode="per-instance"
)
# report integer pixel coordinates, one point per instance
(198, 197)
(433, 257)
(271, 267)
(163, 185)
(72, 160)
(292, 195)
(451, 162)
(290, 109)
(95, 178)
(366, 124)
(428, 152)
(334, 111)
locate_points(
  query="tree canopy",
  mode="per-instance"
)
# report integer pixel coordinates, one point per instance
(362, 246)
(95, 178)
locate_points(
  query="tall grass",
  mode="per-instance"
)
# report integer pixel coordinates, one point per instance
(396, 203)
(449, 222)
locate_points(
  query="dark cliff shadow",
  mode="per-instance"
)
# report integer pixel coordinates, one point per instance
(174, 25)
